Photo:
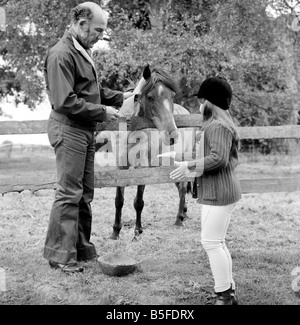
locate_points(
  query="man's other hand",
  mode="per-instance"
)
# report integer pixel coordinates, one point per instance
(111, 114)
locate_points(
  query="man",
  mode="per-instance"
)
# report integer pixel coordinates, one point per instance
(77, 105)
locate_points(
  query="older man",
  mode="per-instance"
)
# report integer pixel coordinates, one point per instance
(77, 102)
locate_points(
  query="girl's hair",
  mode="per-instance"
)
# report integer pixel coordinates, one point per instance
(212, 112)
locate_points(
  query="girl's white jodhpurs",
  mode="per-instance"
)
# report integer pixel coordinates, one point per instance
(214, 225)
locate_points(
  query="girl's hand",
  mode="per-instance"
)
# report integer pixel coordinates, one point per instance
(181, 172)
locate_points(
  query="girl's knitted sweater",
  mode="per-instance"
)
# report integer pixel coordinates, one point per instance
(218, 185)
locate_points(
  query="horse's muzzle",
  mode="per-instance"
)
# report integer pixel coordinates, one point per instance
(169, 139)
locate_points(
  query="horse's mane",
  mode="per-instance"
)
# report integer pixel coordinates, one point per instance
(159, 75)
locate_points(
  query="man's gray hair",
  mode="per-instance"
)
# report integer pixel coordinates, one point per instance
(79, 12)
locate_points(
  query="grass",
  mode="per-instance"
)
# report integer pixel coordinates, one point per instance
(263, 239)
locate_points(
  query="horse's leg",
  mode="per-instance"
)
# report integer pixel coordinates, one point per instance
(119, 202)
(182, 209)
(139, 205)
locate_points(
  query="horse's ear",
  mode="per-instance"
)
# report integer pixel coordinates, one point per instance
(147, 72)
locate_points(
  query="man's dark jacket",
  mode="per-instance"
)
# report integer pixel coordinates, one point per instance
(74, 93)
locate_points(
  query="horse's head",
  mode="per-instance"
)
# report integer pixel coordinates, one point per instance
(156, 102)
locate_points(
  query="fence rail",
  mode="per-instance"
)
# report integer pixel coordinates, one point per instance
(139, 123)
(155, 175)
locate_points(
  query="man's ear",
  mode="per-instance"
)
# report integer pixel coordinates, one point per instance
(82, 23)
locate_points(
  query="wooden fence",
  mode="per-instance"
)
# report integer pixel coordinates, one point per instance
(153, 175)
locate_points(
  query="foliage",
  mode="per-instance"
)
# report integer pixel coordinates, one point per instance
(192, 39)
(32, 26)
(191, 53)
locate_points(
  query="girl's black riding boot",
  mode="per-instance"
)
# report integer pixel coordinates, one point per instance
(226, 298)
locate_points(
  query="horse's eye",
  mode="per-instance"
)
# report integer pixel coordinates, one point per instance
(150, 98)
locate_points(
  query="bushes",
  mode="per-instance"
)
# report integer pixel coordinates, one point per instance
(259, 90)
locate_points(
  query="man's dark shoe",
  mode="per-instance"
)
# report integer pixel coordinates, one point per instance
(85, 259)
(66, 268)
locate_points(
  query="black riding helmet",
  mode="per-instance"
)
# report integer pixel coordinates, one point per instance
(217, 91)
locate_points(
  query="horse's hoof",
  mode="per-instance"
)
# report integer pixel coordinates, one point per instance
(178, 223)
(114, 236)
(138, 232)
(136, 237)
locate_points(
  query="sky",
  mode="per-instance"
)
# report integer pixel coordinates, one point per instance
(11, 112)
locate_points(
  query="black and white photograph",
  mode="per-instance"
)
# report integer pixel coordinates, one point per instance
(150, 155)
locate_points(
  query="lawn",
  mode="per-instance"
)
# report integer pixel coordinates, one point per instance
(263, 238)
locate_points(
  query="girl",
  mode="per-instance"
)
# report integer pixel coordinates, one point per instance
(218, 187)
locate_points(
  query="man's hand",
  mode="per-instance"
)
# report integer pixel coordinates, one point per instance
(111, 114)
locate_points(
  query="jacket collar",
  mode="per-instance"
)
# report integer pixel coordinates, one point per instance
(80, 49)
(83, 51)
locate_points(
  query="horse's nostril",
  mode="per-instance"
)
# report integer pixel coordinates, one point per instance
(171, 141)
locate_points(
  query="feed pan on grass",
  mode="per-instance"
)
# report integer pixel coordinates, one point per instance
(117, 264)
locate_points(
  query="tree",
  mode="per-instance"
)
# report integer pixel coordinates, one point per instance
(193, 39)
(32, 26)
(232, 38)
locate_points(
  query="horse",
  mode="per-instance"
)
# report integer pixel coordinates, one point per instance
(153, 100)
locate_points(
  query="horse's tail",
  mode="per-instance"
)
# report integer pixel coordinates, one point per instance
(192, 188)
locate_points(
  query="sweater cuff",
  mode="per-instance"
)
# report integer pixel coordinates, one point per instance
(196, 166)
(191, 165)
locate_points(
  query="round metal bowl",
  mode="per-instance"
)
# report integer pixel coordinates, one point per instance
(117, 264)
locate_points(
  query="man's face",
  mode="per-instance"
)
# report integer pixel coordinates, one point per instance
(90, 32)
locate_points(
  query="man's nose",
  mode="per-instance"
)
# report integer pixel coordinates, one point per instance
(100, 36)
